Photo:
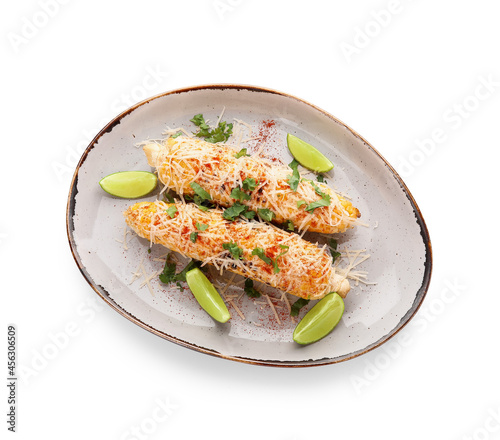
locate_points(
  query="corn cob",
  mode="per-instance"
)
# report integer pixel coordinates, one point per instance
(299, 267)
(215, 168)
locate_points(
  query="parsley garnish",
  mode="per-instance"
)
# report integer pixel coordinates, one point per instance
(288, 225)
(219, 134)
(176, 134)
(233, 248)
(249, 184)
(300, 203)
(239, 194)
(333, 248)
(324, 201)
(171, 211)
(168, 197)
(297, 305)
(201, 226)
(262, 255)
(193, 236)
(200, 191)
(168, 275)
(320, 178)
(234, 211)
(294, 178)
(249, 289)
(266, 214)
(249, 214)
(241, 153)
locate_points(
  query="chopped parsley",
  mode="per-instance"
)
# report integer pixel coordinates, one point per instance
(234, 211)
(262, 255)
(249, 214)
(333, 249)
(241, 153)
(239, 194)
(168, 197)
(200, 191)
(320, 178)
(249, 184)
(176, 134)
(234, 250)
(288, 225)
(168, 275)
(266, 214)
(171, 210)
(201, 226)
(294, 178)
(219, 134)
(297, 305)
(324, 201)
(250, 290)
(193, 236)
(300, 203)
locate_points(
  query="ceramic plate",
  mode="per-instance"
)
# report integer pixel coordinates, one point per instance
(395, 234)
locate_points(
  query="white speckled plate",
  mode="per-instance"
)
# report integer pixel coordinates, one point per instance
(396, 235)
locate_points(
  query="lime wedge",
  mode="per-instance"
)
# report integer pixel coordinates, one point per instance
(320, 320)
(205, 293)
(129, 184)
(307, 155)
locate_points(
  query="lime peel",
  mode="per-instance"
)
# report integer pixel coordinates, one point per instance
(207, 296)
(320, 320)
(129, 184)
(307, 155)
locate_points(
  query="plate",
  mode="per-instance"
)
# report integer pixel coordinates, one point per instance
(395, 234)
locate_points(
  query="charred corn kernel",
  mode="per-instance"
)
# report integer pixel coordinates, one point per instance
(293, 265)
(215, 168)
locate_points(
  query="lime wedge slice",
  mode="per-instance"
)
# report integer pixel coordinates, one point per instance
(320, 320)
(129, 184)
(307, 155)
(205, 293)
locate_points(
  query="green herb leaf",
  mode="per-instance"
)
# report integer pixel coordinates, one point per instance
(239, 194)
(297, 305)
(300, 203)
(262, 255)
(168, 197)
(201, 226)
(198, 120)
(241, 153)
(199, 202)
(318, 189)
(200, 191)
(193, 236)
(320, 178)
(179, 285)
(171, 210)
(168, 273)
(288, 225)
(249, 184)
(325, 201)
(294, 178)
(332, 243)
(250, 290)
(249, 214)
(181, 276)
(234, 211)
(266, 214)
(234, 250)
(176, 135)
(219, 134)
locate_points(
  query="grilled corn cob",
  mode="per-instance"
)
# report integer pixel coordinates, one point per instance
(215, 168)
(293, 264)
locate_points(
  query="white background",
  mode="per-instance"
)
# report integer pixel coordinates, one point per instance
(73, 70)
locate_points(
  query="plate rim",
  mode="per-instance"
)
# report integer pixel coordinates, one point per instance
(101, 291)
